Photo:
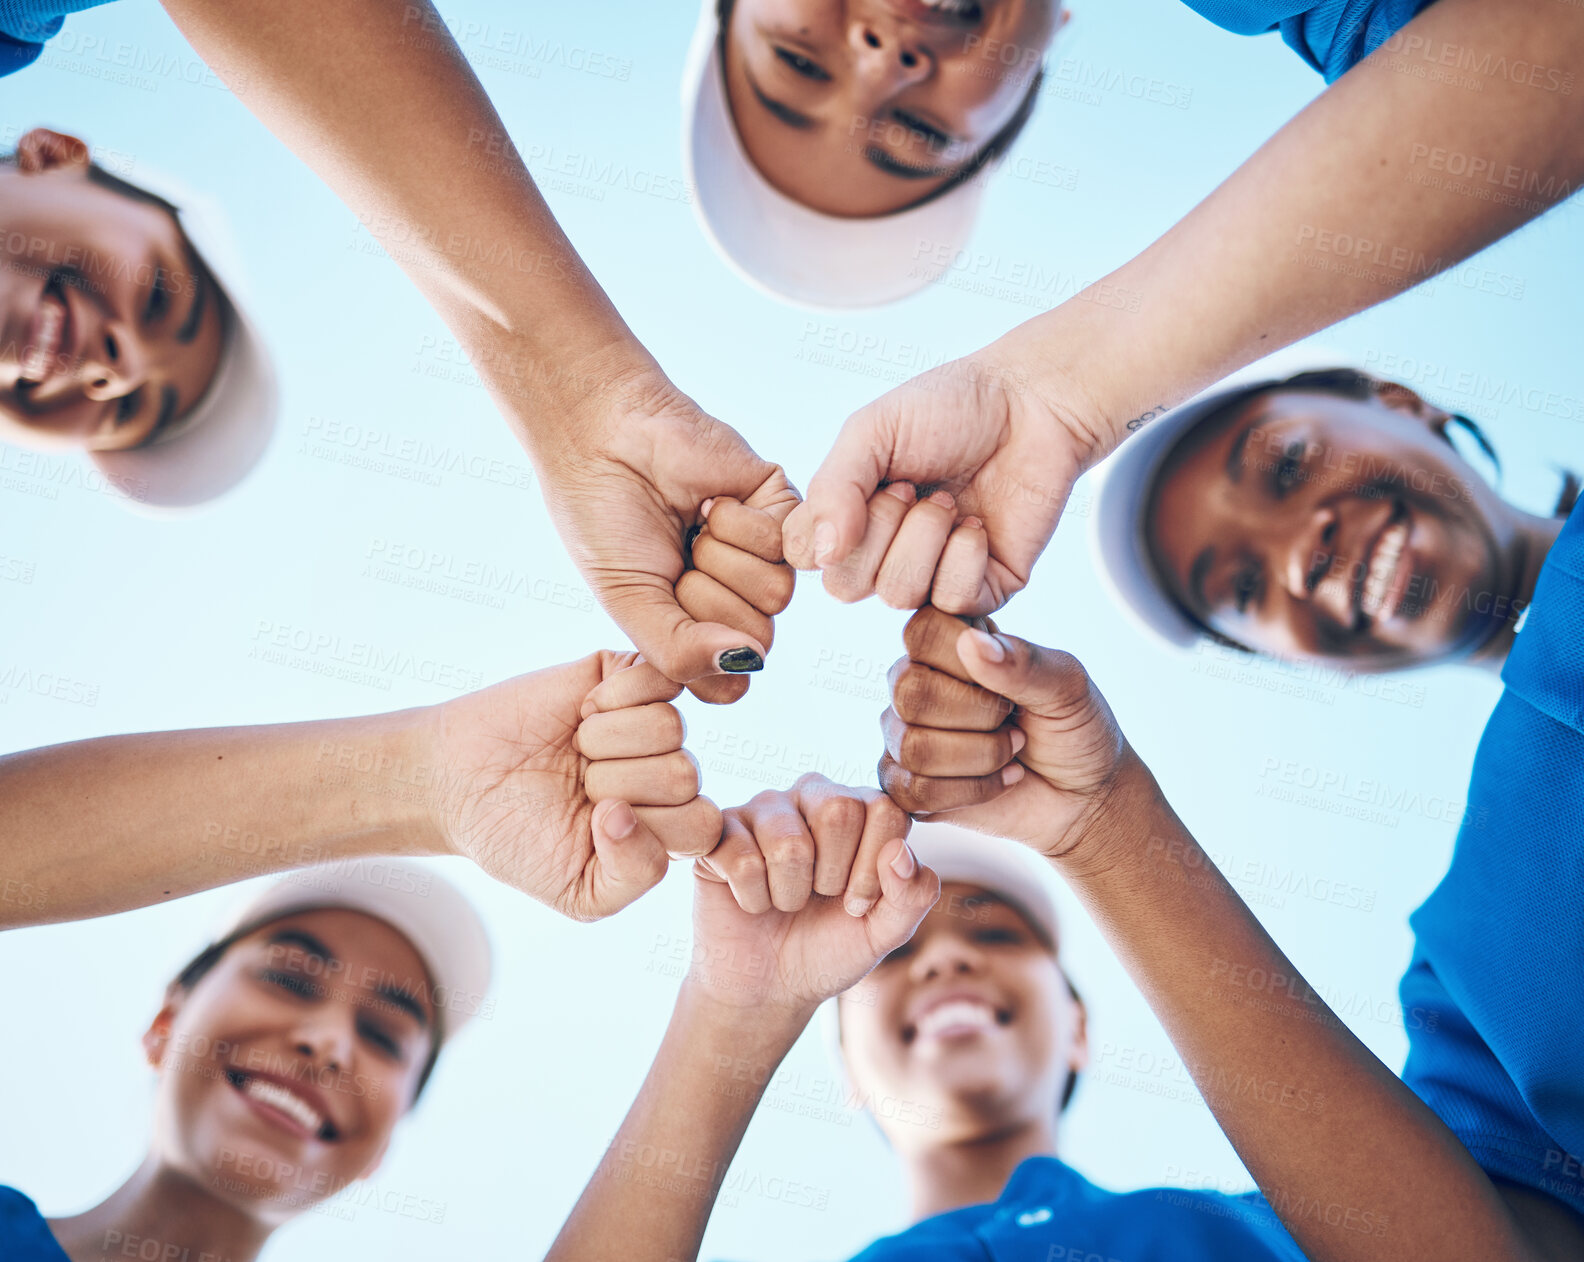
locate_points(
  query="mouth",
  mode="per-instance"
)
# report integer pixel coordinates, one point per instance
(1385, 570)
(955, 1018)
(48, 337)
(278, 1103)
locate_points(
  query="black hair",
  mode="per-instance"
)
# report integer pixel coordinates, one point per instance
(1072, 1074)
(199, 966)
(993, 149)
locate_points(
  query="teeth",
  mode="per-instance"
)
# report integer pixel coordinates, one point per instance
(36, 362)
(956, 1013)
(1383, 569)
(957, 8)
(288, 1102)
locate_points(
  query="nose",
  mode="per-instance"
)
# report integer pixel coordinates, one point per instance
(886, 56)
(1310, 553)
(324, 1040)
(114, 362)
(945, 955)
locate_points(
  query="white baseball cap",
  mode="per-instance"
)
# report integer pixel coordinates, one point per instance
(1127, 481)
(781, 246)
(427, 910)
(224, 435)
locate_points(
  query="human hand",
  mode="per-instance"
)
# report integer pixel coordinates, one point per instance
(624, 494)
(1001, 735)
(994, 462)
(807, 891)
(571, 783)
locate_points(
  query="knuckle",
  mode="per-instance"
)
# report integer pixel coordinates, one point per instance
(681, 776)
(811, 781)
(840, 813)
(914, 748)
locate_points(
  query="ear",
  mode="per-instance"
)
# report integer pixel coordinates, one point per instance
(156, 1039)
(44, 150)
(1399, 398)
(1080, 1043)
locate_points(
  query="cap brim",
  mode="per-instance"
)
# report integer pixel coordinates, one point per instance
(780, 245)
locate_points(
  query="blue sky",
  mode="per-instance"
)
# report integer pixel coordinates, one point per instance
(349, 534)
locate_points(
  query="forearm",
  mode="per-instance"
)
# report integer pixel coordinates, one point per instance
(102, 826)
(1331, 215)
(1356, 1166)
(651, 1197)
(375, 96)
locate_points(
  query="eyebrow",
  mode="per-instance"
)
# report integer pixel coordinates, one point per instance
(167, 412)
(405, 1000)
(782, 113)
(1197, 574)
(885, 162)
(301, 938)
(1234, 460)
(189, 328)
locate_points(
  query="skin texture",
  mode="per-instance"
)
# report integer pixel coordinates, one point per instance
(127, 280)
(992, 1095)
(570, 784)
(375, 96)
(1255, 266)
(1088, 804)
(863, 107)
(223, 1172)
(1285, 535)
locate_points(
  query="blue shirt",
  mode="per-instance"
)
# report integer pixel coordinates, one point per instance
(1048, 1212)
(1332, 36)
(26, 24)
(1498, 960)
(24, 1235)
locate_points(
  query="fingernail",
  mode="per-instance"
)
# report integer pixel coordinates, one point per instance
(1011, 773)
(740, 661)
(905, 865)
(620, 821)
(1019, 739)
(973, 523)
(824, 542)
(988, 645)
(705, 507)
(859, 906)
(903, 491)
(944, 499)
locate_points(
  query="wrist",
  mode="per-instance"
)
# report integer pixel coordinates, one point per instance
(386, 768)
(587, 401)
(740, 1013)
(1123, 817)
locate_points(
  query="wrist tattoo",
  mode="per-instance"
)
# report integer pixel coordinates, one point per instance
(1139, 422)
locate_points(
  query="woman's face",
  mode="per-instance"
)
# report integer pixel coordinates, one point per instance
(1308, 525)
(284, 1070)
(108, 324)
(863, 107)
(971, 1023)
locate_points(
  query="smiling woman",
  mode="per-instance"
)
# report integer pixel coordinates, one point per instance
(827, 138)
(116, 337)
(286, 1052)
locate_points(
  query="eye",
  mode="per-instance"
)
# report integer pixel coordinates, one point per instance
(998, 936)
(128, 406)
(381, 1039)
(901, 953)
(801, 64)
(159, 296)
(934, 136)
(1245, 586)
(292, 983)
(1289, 469)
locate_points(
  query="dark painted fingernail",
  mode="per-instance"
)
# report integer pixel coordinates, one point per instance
(739, 661)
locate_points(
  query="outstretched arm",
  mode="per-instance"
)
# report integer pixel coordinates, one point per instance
(1350, 203)
(757, 979)
(1370, 1173)
(570, 784)
(376, 97)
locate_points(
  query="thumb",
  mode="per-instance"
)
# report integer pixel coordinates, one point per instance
(1045, 682)
(830, 523)
(680, 648)
(628, 861)
(907, 891)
